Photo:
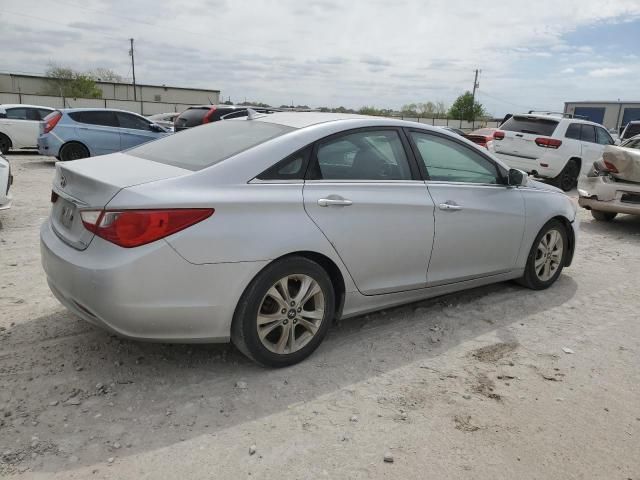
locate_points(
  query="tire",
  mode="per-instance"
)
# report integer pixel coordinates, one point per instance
(532, 277)
(5, 144)
(259, 303)
(73, 151)
(603, 216)
(568, 177)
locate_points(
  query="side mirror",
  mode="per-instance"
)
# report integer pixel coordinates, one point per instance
(156, 128)
(517, 178)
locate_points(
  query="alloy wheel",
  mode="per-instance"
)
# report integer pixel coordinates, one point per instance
(548, 255)
(290, 314)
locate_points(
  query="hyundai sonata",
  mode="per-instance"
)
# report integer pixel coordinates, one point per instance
(265, 229)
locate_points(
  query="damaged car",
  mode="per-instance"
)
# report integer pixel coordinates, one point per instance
(612, 186)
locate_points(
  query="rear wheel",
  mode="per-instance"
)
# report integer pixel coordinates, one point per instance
(284, 313)
(5, 143)
(569, 176)
(73, 151)
(603, 216)
(547, 256)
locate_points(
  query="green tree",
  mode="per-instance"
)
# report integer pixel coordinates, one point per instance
(464, 108)
(66, 82)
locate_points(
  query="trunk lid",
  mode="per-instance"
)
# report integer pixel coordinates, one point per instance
(90, 183)
(520, 133)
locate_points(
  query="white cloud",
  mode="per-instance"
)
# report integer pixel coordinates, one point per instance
(569, 70)
(607, 72)
(322, 52)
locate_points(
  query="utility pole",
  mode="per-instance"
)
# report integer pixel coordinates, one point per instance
(473, 96)
(133, 69)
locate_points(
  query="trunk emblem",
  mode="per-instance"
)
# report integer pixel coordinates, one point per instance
(63, 181)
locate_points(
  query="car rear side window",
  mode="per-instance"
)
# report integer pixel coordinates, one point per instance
(588, 134)
(105, 118)
(365, 155)
(198, 148)
(17, 113)
(291, 168)
(533, 125)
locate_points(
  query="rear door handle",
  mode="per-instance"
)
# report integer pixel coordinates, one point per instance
(449, 206)
(334, 202)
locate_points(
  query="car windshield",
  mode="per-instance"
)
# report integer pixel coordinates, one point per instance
(201, 147)
(533, 125)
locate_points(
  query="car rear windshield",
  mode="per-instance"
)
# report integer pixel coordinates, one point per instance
(193, 116)
(632, 130)
(201, 147)
(533, 125)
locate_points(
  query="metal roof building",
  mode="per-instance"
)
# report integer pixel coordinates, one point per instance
(611, 114)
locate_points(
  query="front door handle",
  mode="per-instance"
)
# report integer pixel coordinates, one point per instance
(449, 206)
(334, 202)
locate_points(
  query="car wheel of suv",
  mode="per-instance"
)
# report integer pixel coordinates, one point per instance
(73, 151)
(547, 256)
(603, 216)
(5, 143)
(284, 313)
(569, 176)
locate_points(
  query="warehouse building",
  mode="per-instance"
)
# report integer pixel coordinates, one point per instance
(149, 99)
(613, 115)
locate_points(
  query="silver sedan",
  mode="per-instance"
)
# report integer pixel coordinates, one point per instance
(263, 230)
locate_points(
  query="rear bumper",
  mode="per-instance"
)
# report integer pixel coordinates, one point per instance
(145, 293)
(543, 167)
(605, 194)
(49, 145)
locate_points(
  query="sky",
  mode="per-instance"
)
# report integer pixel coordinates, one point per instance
(383, 53)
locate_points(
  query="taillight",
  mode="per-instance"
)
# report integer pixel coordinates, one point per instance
(547, 142)
(51, 120)
(207, 117)
(610, 167)
(498, 135)
(132, 228)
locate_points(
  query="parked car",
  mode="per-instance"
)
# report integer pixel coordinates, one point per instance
(76, 133)
(266, 229)
(556, 148)
(19, 126)
(165, 120)
(201, 114)
(482, 136)
(630, 130)
(613, 184)
(6, 180)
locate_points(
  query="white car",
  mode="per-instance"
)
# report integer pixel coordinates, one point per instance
(20, 126)
(6, 179)
(165, 120)
(559, 148)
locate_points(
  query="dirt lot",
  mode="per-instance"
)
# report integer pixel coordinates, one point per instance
(468, 386)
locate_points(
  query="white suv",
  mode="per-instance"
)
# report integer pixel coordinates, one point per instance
(553, 146)
(20, 126)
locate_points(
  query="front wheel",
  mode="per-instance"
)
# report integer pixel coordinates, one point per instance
(603, 216)
(284, 313)
(547, 256)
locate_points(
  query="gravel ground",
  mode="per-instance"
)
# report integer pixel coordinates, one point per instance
(480, 384)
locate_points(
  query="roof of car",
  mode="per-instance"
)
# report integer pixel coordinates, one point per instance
(96, 109)
(306, 119)
(15, 105)
(550, 116)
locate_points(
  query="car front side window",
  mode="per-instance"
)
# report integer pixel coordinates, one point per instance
(127, 120)
(603, 137)
(449, 161)
(363, 155)
(588, 134)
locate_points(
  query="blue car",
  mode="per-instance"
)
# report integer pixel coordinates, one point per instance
(74, 133)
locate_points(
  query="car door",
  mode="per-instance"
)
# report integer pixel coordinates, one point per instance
(135, 130)
(479, 221)
(591, 149)
(98, 130)
(364, 193)
(23, 126)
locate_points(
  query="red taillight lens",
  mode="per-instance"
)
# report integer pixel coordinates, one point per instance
(548, 142)
(132, 228)
(51, 120)
(498, 135)
(207, 117)
(610, 167)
